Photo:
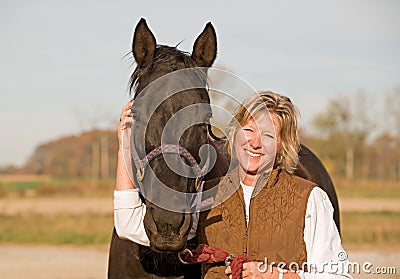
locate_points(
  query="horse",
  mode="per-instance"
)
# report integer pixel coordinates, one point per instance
(167, 228)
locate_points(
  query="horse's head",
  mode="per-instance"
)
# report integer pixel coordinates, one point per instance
(171, 112)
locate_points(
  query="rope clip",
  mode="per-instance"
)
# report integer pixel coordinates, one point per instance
(228, 260)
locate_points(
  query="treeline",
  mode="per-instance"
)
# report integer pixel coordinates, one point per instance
(89, 155)
(359, 137)
(356, 138)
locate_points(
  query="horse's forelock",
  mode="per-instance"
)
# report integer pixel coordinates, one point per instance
(167, 59)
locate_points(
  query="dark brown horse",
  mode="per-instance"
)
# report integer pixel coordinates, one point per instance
(163, 88)
(159, 152)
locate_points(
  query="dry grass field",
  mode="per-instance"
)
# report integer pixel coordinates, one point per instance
(61, 229)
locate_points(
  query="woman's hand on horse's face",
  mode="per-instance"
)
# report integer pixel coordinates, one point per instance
(126, 120)
(123, 179)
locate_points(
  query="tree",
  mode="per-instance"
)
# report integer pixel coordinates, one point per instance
(344, 128)
(392, 116)
(85, 156)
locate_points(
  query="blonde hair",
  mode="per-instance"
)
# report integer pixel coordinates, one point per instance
(284, 111)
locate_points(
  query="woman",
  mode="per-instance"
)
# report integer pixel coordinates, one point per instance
(262, 210)
(281, 222)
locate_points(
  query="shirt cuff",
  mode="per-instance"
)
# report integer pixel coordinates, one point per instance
(127, 199)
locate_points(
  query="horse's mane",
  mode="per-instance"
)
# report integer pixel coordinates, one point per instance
(167, 59)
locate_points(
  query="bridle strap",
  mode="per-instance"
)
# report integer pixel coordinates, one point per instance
(141, 165)
(212, 135)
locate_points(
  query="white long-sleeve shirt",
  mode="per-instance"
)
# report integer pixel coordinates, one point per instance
(325, 255)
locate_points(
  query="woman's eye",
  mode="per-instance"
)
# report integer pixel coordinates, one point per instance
(269, 136)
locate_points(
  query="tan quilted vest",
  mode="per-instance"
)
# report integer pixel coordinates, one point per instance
(276, 227)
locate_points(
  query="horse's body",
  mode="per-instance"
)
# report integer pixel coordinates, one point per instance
(311, 168)
(166, 228)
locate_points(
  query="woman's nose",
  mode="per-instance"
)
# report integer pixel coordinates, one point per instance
(255, 141)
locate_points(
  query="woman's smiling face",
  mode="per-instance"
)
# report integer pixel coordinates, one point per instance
(256, 144)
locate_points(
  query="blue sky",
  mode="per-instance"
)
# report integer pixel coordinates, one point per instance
(63, 69)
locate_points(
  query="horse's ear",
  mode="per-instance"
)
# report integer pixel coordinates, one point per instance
(144, 43)
(205, 47)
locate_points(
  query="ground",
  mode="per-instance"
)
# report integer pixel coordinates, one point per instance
(50, 262)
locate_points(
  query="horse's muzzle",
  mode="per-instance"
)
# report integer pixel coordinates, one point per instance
(166, 235)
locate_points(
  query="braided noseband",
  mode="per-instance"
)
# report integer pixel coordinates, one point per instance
(142, 164)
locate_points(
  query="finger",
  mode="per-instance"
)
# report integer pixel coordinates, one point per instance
(128, 120)
(127, 108)
(127, 113)
(249, 266)
(125, 125)
(228, 270)
(128, 105)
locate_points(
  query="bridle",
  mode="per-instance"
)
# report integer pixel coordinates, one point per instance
(142, 164)
(199, 172)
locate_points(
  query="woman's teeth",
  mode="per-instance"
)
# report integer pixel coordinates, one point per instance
(252, 154)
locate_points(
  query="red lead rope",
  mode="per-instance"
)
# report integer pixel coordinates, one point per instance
(205, 254)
